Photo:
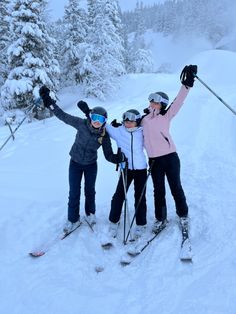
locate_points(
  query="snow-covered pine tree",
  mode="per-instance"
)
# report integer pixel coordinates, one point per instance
(127, 58)
(30, 55)
(138, 41)
(143, 61)
(74, 39)
(113, 13)
(4, 38)
(91, 4)
(103, 62)
(219, 19)
(140, 58)
(57, 30)
(169, 18)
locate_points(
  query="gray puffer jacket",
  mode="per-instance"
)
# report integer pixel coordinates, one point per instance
(87, 140)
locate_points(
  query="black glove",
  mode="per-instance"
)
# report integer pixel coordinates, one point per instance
(115, 124)
(44, 94)
(83, 106)
(146, 110)
(120, 157)
(188, 74)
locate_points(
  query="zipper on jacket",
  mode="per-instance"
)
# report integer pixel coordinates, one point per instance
(166, 138)
(132, 153)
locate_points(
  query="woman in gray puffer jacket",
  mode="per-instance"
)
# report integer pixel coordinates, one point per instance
(91, 134)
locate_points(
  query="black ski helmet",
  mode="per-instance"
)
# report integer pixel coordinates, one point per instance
(164, 96)
(99, 110)
(132, 115)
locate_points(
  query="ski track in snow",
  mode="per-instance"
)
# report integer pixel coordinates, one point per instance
(34, 189)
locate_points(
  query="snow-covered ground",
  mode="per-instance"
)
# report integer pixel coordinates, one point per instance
(33, 206)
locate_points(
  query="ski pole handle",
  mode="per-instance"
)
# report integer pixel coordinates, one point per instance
(122, 165)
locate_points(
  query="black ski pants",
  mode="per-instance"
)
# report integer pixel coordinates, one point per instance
(76, 172)
(139, 177)
(167, 166)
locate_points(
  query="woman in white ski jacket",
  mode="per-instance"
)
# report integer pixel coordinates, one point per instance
(129, 138)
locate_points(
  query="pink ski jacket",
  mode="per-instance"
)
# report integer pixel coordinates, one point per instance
(157, 138)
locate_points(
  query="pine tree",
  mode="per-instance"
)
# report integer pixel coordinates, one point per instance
(4, 38)
(57, 30)
(113, 14)
(91, 4)
(30, 55)
(143, 61)
(103, 62)
(140, 58)
(138, 42)
(74, 39)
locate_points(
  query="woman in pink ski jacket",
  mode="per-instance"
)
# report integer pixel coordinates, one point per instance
(161, 150)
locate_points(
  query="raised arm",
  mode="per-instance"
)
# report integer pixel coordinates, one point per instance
(187, 79)
(59, 113)
(178, 102)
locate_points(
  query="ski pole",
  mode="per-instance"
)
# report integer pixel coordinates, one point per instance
(139, 201)
(13, 132)
(220, 99)
(125, 194)
(8, 124)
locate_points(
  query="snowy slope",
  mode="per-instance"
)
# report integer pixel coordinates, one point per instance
(34, 188)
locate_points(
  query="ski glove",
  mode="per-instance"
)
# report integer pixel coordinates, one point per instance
(115, 124)
(83, 106)
(146, 110)
(44, 94)
(120, 157)
(188, 74)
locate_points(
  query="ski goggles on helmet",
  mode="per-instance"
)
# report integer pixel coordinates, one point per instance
(97, 118)
(157, 98)
(130, 116)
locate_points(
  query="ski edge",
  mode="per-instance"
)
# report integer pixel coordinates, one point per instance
(43, 252)
(134, 254)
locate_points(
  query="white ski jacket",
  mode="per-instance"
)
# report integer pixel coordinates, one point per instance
(131, 144)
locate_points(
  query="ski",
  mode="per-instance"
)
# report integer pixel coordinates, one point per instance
(107, 242)
(42, 252)
(107, 245)
(136, 250)
(186, 248)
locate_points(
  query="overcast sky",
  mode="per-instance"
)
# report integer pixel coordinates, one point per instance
(57, 7)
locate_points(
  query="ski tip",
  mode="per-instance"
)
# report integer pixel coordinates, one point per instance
(133, 253)
(99, 269)
(107, 246)
(37, 254)
(186, 259)
(124, 263)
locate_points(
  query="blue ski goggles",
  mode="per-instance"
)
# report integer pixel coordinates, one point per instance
(157, 98)
(97, 118)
